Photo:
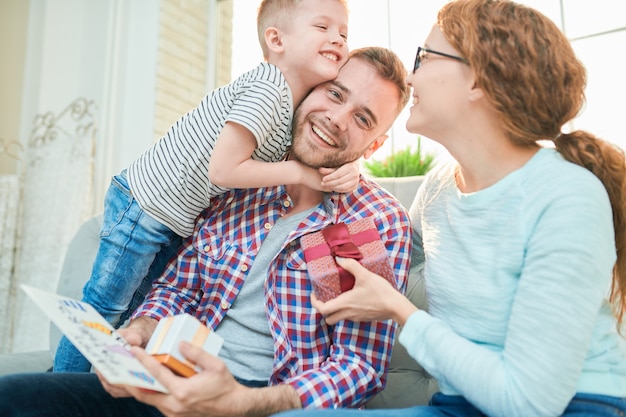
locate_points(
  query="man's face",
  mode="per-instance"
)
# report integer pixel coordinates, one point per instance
(341, 119)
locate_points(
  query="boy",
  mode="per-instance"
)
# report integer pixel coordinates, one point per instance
(243, 129)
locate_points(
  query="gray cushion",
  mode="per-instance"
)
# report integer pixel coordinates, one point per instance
(36, 361)
(75, 271)
(408, 384)
(76, 268)
(402, 188)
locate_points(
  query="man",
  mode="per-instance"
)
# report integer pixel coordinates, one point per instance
(252, 236)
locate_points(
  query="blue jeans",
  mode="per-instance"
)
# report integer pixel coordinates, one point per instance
(134, 249)
(69, 395)
(582, 405)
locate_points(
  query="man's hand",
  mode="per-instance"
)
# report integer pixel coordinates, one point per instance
(137, 333)
(344, 179)
(116, 391)
(212, 392)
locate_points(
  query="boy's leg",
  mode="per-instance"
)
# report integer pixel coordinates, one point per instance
(64, 395)
(156, 269)
(68, 359)
(129, 243)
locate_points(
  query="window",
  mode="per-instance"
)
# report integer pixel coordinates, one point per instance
(594, 28)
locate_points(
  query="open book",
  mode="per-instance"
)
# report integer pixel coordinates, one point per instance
(95, 338)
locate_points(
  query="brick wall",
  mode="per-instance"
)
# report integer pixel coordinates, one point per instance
(183, 57)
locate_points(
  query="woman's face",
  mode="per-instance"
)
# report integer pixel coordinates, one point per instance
(440, 88)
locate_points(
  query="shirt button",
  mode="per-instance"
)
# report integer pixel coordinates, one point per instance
(244, 268)
(224, 305)
(286, 203)
(206, 248)
(267, 226)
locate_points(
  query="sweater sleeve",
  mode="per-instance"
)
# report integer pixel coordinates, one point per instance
(563, 282)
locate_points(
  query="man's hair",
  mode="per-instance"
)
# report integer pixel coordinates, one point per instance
(389, 66)
(277, 13)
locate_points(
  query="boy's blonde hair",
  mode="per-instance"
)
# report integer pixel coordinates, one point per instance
(278, 14)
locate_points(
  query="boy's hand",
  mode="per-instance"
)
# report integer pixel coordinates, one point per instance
(310, 177)
(344, 179)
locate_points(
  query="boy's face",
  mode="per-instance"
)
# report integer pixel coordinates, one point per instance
(346, 118)
(315, 40)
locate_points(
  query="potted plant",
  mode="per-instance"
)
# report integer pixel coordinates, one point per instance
(402, 172)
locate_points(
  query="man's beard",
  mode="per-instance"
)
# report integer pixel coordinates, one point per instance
(311, 156)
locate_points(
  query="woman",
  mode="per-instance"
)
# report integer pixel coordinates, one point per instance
(525, 259)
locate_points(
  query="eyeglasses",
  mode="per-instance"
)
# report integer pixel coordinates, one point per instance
(421, 51)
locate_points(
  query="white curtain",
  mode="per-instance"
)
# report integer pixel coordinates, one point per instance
(56, 197)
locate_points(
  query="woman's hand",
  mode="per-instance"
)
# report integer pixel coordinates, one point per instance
(372, 298)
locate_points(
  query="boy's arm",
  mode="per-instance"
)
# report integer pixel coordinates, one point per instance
(231, 164)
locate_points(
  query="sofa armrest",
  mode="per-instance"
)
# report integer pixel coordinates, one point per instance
(402, 188)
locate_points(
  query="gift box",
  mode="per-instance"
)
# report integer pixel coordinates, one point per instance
(358, 240)
(170, 331)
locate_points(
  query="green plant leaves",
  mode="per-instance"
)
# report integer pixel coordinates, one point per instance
(404, 163)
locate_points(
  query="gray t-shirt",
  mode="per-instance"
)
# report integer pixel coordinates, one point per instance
(248, 348)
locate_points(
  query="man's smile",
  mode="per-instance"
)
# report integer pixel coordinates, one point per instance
(323, 136)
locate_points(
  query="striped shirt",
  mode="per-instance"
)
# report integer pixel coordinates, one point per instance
(329, 366)
(170, 180)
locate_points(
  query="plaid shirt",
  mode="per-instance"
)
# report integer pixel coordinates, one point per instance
(329, 366)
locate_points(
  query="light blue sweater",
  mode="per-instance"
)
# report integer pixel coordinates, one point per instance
(517, 277)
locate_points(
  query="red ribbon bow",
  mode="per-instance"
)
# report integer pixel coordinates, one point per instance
(341, 244)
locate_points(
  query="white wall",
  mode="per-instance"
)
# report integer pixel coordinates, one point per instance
(598, 33)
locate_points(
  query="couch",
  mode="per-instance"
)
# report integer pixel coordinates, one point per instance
(407, 383)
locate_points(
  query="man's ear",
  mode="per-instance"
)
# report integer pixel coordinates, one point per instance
(378, 142)
(273, 40)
